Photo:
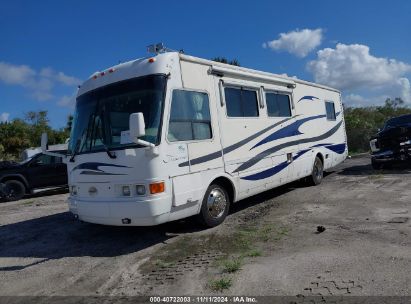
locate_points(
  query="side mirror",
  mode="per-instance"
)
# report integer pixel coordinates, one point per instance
(138, 129)
(44, 140)
(44, 147)
(137, 125)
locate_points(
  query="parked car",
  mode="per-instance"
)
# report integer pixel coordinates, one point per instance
(392, 143)
(38, 172)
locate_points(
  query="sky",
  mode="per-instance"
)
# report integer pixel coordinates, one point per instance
(47, 48)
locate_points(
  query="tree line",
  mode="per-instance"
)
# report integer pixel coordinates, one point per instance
(22, 133)
(19, 134)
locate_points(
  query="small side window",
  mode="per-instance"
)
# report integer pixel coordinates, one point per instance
(330, 110)
(278, 105)
(241, 102)
(190, 116)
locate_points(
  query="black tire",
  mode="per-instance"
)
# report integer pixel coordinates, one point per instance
(317, 173)
(16, 190)
(214, 213)
(376, 165)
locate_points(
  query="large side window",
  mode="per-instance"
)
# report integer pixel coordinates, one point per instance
(330, 110)
(189, 117)
(278, 105)
(241, 102)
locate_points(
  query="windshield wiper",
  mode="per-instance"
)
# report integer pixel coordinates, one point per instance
(79, 146)
(110, 154)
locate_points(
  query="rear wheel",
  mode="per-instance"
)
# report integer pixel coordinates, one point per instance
(317, 173)
(15, 190)
(215, 206)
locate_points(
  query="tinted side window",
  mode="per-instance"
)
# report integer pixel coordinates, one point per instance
(278, 105)
(44, 159)
(190, 116)
(330, 110)
(241, 102)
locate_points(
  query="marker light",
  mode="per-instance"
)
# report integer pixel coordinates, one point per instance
(111, 70)
(102, 73)
(157, 187)
(126, 191)
(140, 189)
(95, 77)
(151, 60)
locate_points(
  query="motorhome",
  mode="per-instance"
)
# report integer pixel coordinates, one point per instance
(172, 136)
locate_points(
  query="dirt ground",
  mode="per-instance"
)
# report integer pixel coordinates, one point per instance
(269, 244)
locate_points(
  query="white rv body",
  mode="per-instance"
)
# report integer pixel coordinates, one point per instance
(245, 155)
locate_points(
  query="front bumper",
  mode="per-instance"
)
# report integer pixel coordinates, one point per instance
(148, 212)
(402, 154)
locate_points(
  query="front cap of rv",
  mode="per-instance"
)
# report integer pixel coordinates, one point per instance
(136, 177)
(159, 64)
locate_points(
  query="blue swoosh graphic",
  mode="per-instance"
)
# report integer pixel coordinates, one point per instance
(93, 168)
(274, 170)
(288, 131)
(337, 148)
(308, 98)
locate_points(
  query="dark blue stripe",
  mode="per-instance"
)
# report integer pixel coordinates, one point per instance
(274, 170)
(288, 131)
(267, 173)
(251, 162)
(94, 167)
(217, 154)
(337, 148)
(308, 98)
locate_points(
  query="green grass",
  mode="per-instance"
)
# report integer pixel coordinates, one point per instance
(253, 253)
(163, 264)
(375, 176)
(230, 266)
(220, 284)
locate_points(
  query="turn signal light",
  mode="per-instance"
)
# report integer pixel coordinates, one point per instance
(157, 187)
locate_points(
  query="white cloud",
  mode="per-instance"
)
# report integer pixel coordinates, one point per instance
(357, 100)
(298, 42)
(39, 84)
(4, 117)
(352, 67)
(67, 101)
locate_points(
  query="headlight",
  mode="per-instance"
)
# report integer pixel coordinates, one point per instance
(140, 189)
(408, 142)
(126, 191)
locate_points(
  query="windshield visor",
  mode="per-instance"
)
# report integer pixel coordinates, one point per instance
(101, 115)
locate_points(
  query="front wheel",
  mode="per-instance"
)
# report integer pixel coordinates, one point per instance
(15, 190)
(376, 165)
(215, 206)
(317, 173)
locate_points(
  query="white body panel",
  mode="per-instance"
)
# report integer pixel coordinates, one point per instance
(249, 153)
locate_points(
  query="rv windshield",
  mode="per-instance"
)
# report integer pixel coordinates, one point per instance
(102, 114)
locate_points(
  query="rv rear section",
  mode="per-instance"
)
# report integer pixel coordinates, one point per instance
(202, 135)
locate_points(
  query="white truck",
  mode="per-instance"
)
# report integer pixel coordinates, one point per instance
(171, 136)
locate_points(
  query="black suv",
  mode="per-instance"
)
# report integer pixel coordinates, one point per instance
(39, 172)
(392, 143)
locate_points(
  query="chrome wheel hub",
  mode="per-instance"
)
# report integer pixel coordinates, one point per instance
(216, 203)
